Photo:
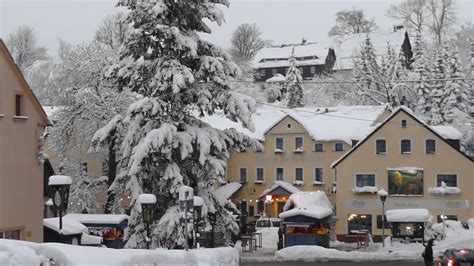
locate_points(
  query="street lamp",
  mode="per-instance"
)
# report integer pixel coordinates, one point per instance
(198, 203)
(147, 201)
(383, 197)
(60, 185)
(212, 220)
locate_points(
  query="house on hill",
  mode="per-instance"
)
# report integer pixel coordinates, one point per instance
(22, 123)
(312, 59)
(347, 47)
(420, 166)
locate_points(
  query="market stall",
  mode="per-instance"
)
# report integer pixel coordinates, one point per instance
(307, 219)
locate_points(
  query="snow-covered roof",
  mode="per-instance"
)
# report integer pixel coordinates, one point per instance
(408, 215)
(98, 218)
(313, 204)
(277, 78)
(147, 199)
(70, 226)
(285, 185)
(286, 63)
(50, 110)
(226, 191)
(322, 124)
(87, 239)
(447, 132)
(281, 54)
(346, 47)
(59, 180)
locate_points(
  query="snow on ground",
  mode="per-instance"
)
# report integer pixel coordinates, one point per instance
(13, 252)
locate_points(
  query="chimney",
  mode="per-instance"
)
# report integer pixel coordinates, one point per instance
(397, 28)
(303, 41)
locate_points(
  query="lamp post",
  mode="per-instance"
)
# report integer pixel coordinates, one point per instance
(60, 185)
(198, 203)
(186, 204)
(383, 197)
(147, 202)
(212, 220)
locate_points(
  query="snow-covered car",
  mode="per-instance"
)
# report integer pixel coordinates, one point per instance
(267, 222)
(456, 257)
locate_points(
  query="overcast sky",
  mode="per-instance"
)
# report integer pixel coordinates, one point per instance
(281, 21)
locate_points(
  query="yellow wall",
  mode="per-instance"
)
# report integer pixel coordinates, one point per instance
(289, 160)
(364, 160)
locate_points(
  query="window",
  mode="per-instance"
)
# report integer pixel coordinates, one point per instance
(381, 146)
(318, 175)
(319, 147)
(313, 70)
(430, 146)
(405, 181)
(243, 175)
(338, 146)
(262, 72)
(299, 143)
(439, 218)
(298, 174)
(358, 222)
(404, 123)
(259, 174)
(288, 125)
(12, 234)
(274, 71)
(379, 222)
(18, 108)
(279, 174)
(365, 180)
(279, 144)
(405, 146)
(451, 180)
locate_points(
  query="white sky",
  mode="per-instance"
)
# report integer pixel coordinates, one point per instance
(282, 21)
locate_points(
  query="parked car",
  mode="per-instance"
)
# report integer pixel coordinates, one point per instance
(267, 222)
(456, 257)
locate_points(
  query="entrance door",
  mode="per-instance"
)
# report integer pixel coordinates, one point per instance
(280, 207)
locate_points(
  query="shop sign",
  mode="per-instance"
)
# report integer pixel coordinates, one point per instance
(353, 204)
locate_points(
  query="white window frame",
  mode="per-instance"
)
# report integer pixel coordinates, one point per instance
(436, 147)
(302, 142)
(367, 173)
(334, 146)
(313, 69)
(411, 147)
(283, 143)
(315, 176)
(276, 174)
(256, 175)
(246, 175)
(386, 150)
(322, 143)
(302, 174)
(457, 178)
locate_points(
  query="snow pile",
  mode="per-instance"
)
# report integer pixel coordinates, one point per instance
(70, 226)
(87, 239)
(444, 190)
(313, 204)
(277, 78)
(59, 180)
(147, 199)
(408, 215)
(13, 252)
(285, 185)
(227, 190)
(97, 218)
(365, 189)
(322, 124)
(382, 193)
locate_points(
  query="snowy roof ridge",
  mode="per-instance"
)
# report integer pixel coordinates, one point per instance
(226, 191)
(98, 218)
(313, 204)
(285, 185)
(70, 226)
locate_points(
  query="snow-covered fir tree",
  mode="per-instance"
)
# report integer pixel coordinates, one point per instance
(165, 145)
(421, 73)
(438, 89)
(457, 90)
(294, 84)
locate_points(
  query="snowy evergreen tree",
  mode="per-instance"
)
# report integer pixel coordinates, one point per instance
(438, 89)
(457, 90)
(165, 145)
(294, 84)
(421, 73)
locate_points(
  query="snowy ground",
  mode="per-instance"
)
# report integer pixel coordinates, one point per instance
(13, 253)
(456, 237)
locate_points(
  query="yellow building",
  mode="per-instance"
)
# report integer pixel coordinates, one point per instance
(22, 123)
(298, 149)
(420, 167)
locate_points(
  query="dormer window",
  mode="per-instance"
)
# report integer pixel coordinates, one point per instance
(404, 123)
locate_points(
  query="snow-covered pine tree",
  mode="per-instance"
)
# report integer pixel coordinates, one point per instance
(421, 73)
(165, 145)
(457, 90)
(438, 89)
(294, 84)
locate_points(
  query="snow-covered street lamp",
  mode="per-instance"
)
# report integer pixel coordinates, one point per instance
(198, 203)
(60, 185)
(383, 197)
(147, 201)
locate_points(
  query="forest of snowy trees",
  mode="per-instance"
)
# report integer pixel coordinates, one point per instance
(133, 97)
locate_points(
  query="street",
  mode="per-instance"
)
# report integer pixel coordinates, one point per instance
(336, 263)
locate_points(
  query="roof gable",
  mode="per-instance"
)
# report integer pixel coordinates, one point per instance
(410, 114)
(24, 85)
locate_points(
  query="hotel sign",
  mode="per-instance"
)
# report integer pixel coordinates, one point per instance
(391, 203)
